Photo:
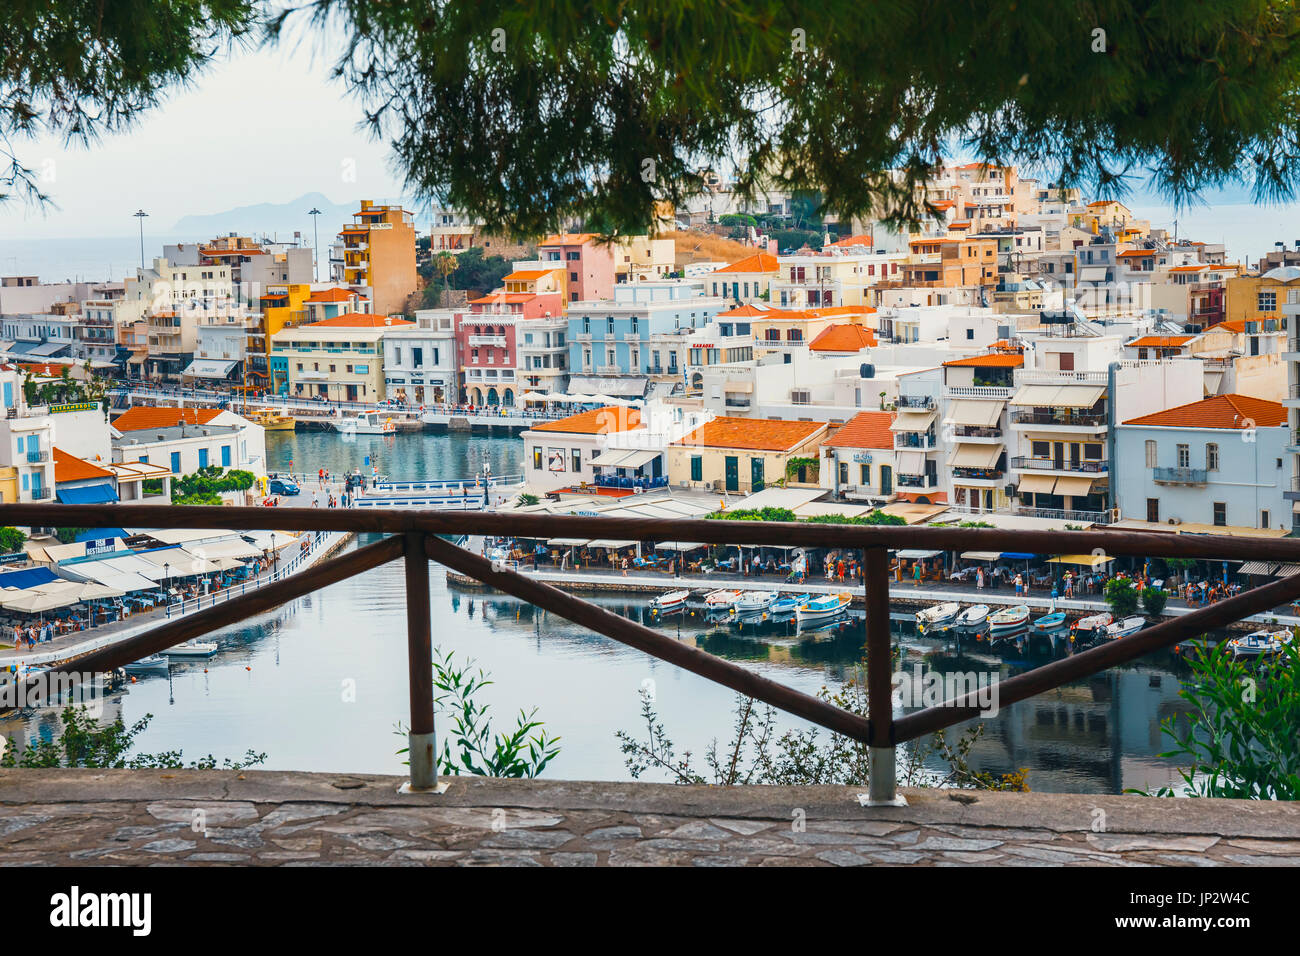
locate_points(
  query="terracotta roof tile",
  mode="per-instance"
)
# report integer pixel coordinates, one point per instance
(143, 417)
(597, 421)
(1220, 411)
(850, 241)
(333, 295)
(757, 434)
(761, 262)
(843, 338)
(864, 430)
(1161, 341)
(358, 320)
(993, 360)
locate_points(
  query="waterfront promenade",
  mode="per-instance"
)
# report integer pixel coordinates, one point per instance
(271, 818)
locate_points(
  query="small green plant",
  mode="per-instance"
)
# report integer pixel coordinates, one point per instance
(1154, 601)
(11, 540)
(1122, 597)
(85, 742)
(525, 500)
(523, 752)
(1239, 735)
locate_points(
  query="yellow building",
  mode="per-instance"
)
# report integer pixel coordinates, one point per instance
(340, 359)
(1256, 298)
(8, 484)
(744, 455)
(379, 252)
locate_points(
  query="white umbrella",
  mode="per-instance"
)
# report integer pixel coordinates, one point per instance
(581, 399)
(557, 397)
(93, 590)
(535, 397)
(34, 601)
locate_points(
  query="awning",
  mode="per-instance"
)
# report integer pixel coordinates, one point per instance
(1036, 484)
(975, 456)
(137, 358)
(969, 411)
(50, 349)
(1263, 569)
(610, 543)
(626, 386)
(913, 421)
(231, 548)
(27, 578)
(610, 457)
(567, 542)
(1018, 555)
(1086, 560)
(1058, 396)
(1286, 570)
(1072, 485)
(178, 562)
(638, 458)
(207, 368)
(918, 554)
(97, 534)
(680, 546)
(22, 348)
(1094, 274)
(86, 495)
(911, 462)
(981, 555)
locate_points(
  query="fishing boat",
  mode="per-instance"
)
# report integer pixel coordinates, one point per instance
(938, 615)
(272, 421)
(193, 648)
(1088, 628)
(153, 664)
(1008, 619)
(789, 603)
(670, 601)
(1118, 629)
(973, 616)
(724, 598)
(823, 608)
(366, 423)
(754, 602)
(1260, 643)
(1050, 622)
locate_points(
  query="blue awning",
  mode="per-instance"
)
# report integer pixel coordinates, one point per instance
(1018, 555)
(99, 534)
(27, 578)
(87, 495)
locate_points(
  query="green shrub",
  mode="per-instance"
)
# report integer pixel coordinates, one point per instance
(1154, 600)
(1122, 597)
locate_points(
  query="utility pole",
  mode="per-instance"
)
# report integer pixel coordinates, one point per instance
(141, 215)
(315, 241)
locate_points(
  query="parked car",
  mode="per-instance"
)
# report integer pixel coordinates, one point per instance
(282, 486)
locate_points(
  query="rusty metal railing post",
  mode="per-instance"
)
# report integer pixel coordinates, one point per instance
(882, 788)
(419, 640)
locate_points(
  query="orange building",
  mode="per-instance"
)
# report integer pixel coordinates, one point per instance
(379, 252)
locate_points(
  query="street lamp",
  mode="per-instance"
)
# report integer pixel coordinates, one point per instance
(275, 555)
(141, 215)
(167, 571)
(315, 241)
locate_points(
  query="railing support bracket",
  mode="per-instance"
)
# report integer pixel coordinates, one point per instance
(882, 787)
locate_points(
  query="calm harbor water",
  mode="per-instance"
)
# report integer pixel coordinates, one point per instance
(320, 684)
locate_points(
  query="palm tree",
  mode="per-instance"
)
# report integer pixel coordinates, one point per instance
(445, 264)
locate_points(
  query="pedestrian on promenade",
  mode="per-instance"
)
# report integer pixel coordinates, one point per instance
(1020, 585)
(315, 499)
(979, 579)
(916, 574)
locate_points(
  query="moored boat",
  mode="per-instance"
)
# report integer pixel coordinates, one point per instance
(1129, 625)
(823, 608)
(366, 423)
(670, 601)
(273, 422)
(193, 648)
(789, 603)
(1088, 628)
(1008, 619)
(938, 615)
(1260, 643)
(153, 664)
(1050, 622)
(974, 616)
(722, 598)
(753, 602)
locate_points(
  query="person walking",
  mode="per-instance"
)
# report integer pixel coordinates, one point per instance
(1020, 585)
(315, 499)
(979, 579)
(916, 574)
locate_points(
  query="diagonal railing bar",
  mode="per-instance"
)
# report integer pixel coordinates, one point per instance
(235, 610)
(1114, 543)
(651, 642)
(1097, 659)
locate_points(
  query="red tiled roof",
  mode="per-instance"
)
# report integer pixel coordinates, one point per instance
(848, 241)
(1189, 268)
(843, 338)
(864, 430)
(333, 295)
(1220, 411)
(358, 320)
(504, 298)
(992, 360)
(1137, 252)
(143, 417)
(1161, 341)
(758, 434)
(568, 239)
(69, 468)
(597, 421)
(529, 275)
(760, 262)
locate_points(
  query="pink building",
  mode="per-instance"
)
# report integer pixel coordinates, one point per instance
(485, 342)
(589, 268)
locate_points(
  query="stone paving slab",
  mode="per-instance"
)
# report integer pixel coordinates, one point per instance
(273, 818)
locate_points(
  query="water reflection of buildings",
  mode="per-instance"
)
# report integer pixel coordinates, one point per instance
(1101, 735)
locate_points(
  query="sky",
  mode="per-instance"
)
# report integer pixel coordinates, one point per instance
(261, 125)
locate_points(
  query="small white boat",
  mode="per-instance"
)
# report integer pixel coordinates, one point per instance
(153, 664)
(973, 616)
(1118, 629)
(938, 615)
(752, 602)
(1008, 619)
(1260, 643)
(669, 601)
(724, 598)
(194, 648)
(790, 603)
(823, 608)
(1087, 628)
(366, 423)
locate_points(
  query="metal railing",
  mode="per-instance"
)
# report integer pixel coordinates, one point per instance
(1060, 464)
(420, 537)
(1180, 475)
(1062, 420)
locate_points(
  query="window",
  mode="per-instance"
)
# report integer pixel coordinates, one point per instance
(225, 456)
(1266, 301)
(1151, 452)
(537, 459)
(864, 474)
(1040, 449)
(576, 458)
(203, 458)
(1184, 456)
(1263, 520)
(697, 468)
(1212, 457)
(1153, 509)
(1220, 514)
(176, 463)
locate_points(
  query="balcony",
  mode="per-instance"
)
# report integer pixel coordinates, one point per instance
(916, 401)
(1060, 419)
(608, 370)
(42, 493)
(1065, 514)
(921, 482)
(1021, 463)
(38, 456)
(497, 340)
(1179, 476)
(915, 440)
(979, 391)
(976, 433)
(978, 474)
